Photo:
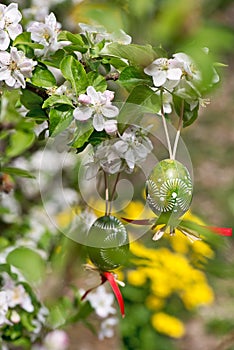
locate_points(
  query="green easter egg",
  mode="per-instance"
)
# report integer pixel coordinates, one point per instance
(108, 243)
(169, 189)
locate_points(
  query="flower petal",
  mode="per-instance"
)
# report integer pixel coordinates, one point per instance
(110, 111)
(174, 74)
(160, 78)
(98, 122)
(4, 40)
(82, 113)
(92, 93)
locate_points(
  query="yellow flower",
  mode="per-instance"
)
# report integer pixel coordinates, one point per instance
(136, 278)
(199, 294)
(180, 243)
(154, 303)
(168, 325)
(203, 248)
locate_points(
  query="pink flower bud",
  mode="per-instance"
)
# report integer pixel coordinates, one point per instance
(84, 99)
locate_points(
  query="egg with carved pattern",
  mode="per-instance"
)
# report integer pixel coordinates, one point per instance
(108, 243)
(169, 190)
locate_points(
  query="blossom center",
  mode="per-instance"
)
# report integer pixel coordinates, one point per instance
(13, 66)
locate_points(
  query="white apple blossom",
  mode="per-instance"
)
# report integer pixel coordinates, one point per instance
(56, 340)
(104, 157)
(10, 28)
(102, 302)
(133, 146)
(107, 328)
(46, 34)
(3, 307)
(98, 33)
(164, 72)
(98, 106)
(18, 296)
(15, 67)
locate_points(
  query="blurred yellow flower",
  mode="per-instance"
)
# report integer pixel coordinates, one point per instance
(168, 325)
(154, 303)
(136, 279)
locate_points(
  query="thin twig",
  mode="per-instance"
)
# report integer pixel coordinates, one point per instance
(106, 194)
(165, 126)
(178, 130)
(113, 192)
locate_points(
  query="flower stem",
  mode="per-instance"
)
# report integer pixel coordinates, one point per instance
(113, 192)
(106, 194)
(165, 126)
(178, 130)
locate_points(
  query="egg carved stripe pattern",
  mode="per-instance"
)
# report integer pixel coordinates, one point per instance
(108, 243)
(169, 188)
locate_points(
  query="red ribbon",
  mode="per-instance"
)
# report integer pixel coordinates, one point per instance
(108, 276)
(111, 279)
(223, 231)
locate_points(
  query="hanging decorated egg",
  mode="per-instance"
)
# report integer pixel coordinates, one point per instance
(108, 243)
(169, 190)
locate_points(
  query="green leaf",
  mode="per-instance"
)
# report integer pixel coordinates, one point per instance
(17, 172)
(20, 141)
(29, 262)
(60, 312)
(132, 76)
(74, 72)
(77, 43)
(141, 100)
(189, 116)
(60, 119)
(141, 55)
(73, 38)
(25, 39)
(85, 129)
(37, 114)
(97, 81)
(57, 100)
(55, 59)
(30, 99)
(42, 77)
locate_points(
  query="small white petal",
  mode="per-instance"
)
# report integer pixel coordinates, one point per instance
(110, 111)
(158, 235)
(130, 158)
(82, 113)
(98, 122)
(14, 30)
(92, 93)
(4, 73)
(91, 171)
(4, 40)
(160, 78)
(174, 74)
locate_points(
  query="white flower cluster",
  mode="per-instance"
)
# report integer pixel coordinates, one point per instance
(178, 75)
(10, 17)
(122, 153)
(15, 67)
(11, 296)
(102, 303)
(46, 34)
(98, 33)
(97, 106)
